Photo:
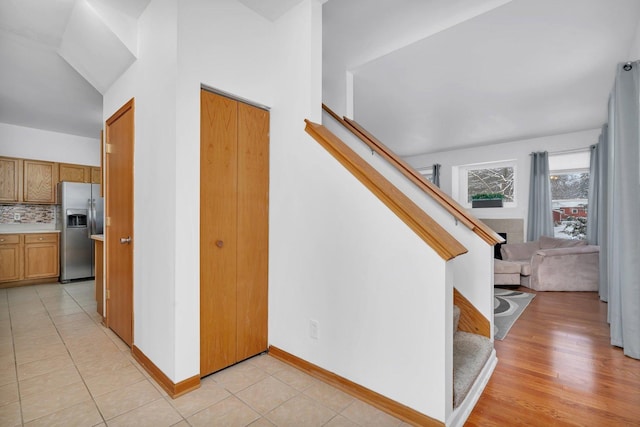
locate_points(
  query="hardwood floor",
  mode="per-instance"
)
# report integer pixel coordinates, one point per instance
(556, 367)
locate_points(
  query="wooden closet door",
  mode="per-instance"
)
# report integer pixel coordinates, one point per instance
(218, 231)
(253, 230)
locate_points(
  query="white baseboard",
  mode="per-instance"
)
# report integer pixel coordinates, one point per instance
(462, 412)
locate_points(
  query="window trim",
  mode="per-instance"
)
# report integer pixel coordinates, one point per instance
(461, 175)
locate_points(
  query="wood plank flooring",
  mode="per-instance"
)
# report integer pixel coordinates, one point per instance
(556, 367)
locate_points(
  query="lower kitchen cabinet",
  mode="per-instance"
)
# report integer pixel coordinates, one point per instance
(28, 257)
(41, 256)
(10, 257)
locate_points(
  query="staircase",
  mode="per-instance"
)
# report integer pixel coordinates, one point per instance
(470, 354)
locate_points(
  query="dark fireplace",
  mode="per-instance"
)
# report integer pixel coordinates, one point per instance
(496, 248)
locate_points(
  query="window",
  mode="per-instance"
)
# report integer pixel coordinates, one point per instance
(427, 173)
(569, 177)
(494, 177)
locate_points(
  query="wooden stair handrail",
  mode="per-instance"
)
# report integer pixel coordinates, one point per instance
(445, 245)
(450, 205)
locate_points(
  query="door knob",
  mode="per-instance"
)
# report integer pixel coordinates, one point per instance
(125, 240)
(219, 243)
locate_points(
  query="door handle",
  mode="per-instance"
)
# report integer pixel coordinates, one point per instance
(219, 243)
(125, 240)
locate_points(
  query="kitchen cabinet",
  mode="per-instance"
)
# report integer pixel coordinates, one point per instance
(96, 175)
(10, 180)
(39, 182)
(28, 257)
(234, 187)
(74, 173)
(41, 256)
(10, 257)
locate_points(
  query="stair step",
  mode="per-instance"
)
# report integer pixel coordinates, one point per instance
(470, 353)
(456, 318)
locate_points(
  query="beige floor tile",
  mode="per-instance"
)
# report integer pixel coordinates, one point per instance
(39, 367)
(261, 422)
(105, 383)
(29, 343)
(340, 421)
(239, 377)
(50, 381)
(158, 413)
(208, 394)
(9, 393)
(38, 405)
(82, 414)
(8, 372)
(6, 348)
(182, 423)
(269, 364)
(34, 331)
(230, 412)
(64, 310)
(80, 318)
(267, 394)
(329, 396)
(102, 364)
(10, 415)
(126, 399)
(366, 415)
(40, 353)
(295, 378)
(300, 411)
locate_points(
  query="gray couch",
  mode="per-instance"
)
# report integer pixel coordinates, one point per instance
(551, 264)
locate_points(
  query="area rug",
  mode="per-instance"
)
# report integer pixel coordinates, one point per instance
(507, 307)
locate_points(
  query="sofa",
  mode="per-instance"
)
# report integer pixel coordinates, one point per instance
(551, 264)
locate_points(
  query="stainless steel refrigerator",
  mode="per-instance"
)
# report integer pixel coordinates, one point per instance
(81, 215)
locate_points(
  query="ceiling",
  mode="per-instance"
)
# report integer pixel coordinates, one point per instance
(429, 75)
(38, 88)
(436, 75)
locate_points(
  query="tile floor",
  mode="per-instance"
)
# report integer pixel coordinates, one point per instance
(60, 367)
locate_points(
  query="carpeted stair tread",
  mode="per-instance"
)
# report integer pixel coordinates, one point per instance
(456, 318)
(470, 353)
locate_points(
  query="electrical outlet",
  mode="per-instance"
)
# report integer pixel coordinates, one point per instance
(16, 216)
(313, 329)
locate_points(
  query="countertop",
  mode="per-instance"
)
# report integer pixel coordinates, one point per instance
(99, 237)
(28, 231)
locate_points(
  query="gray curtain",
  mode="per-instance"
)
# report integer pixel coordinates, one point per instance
(594, 192)
(600, 221)
(540, 218)
(622, 224)
(436, 174)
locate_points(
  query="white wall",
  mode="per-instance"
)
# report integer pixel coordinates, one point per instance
(472, 272)
(152, 81)
(38, 144)
(516, 150)
(213, 52)
(634, 51)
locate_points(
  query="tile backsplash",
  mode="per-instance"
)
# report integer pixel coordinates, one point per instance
(27, 214)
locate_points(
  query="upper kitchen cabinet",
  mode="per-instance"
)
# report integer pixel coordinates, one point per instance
(96, 175)
(74, 173)
(10, 180)
(39, 182)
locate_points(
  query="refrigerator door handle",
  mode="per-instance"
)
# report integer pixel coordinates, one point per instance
(94, 225)
(90, 219)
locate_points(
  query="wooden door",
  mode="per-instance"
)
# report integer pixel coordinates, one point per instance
(233, 231)
(119, 224)
(218, 245)
(253, 230)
